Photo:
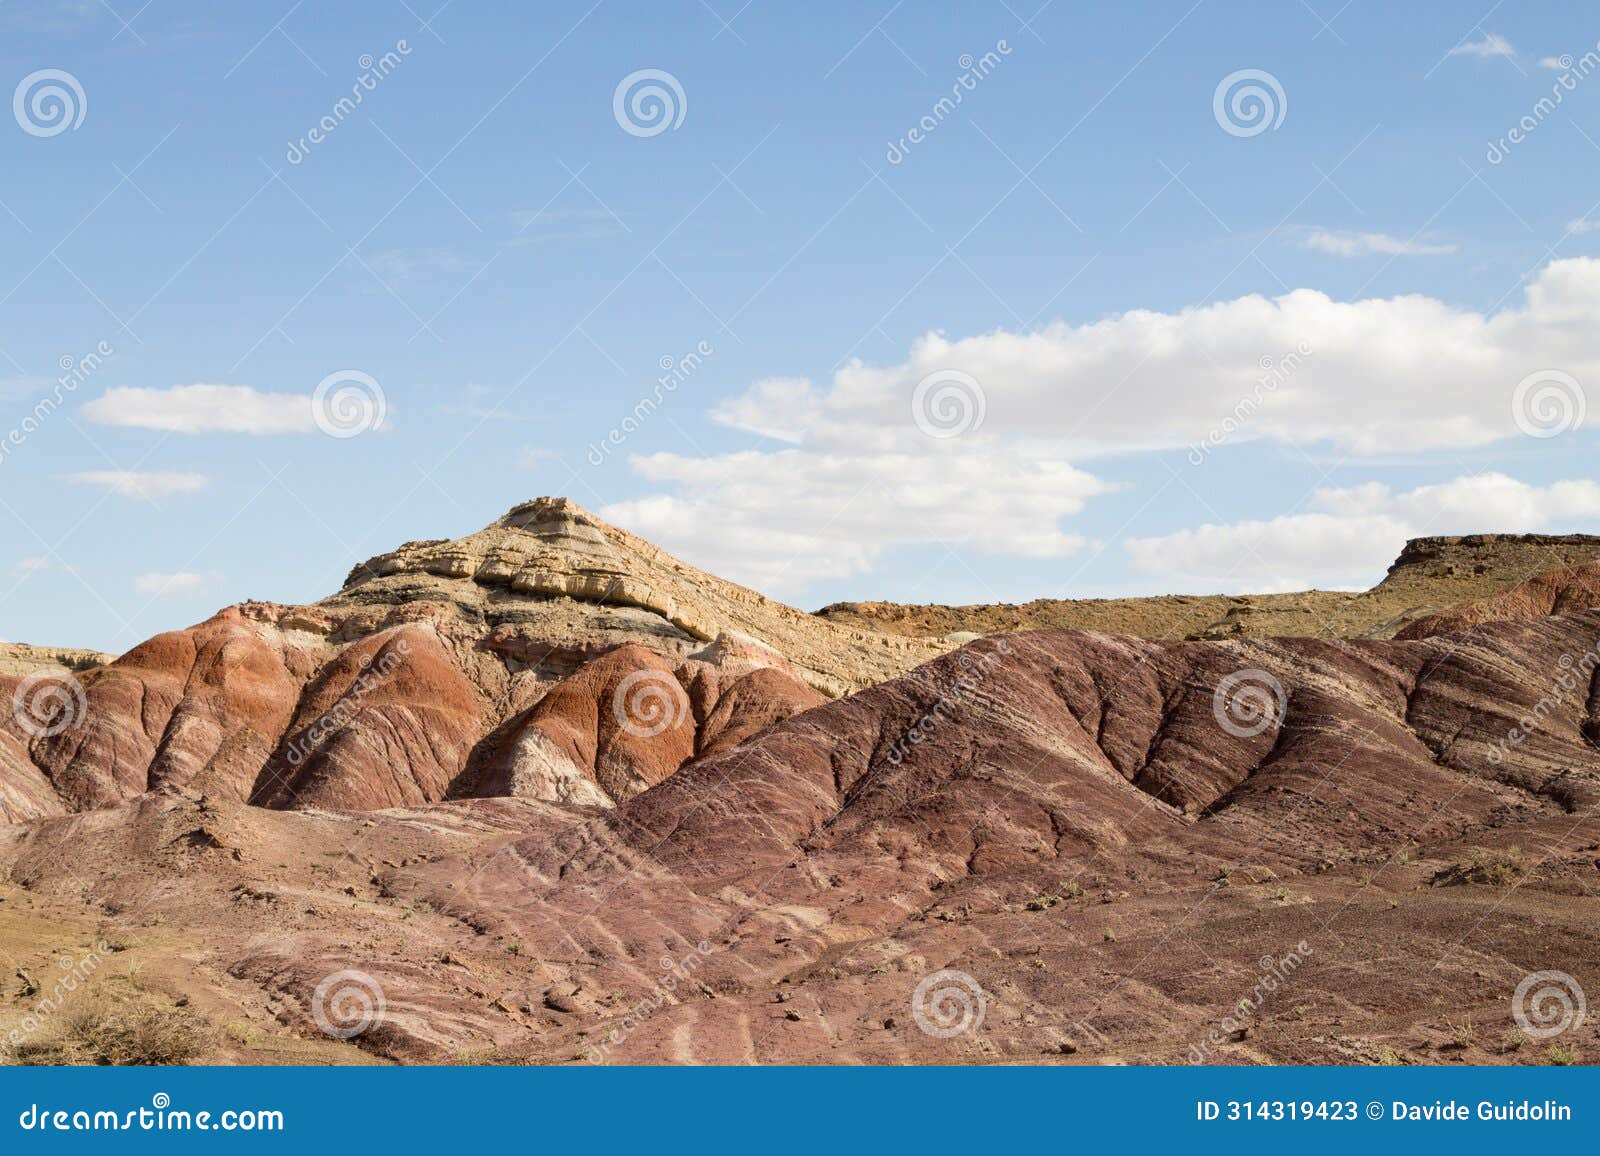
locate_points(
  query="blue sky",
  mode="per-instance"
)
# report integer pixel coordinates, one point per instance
(1206, 357)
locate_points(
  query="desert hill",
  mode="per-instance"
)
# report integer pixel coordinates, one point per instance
(545, 795)
(427, 677)
(1076, 834)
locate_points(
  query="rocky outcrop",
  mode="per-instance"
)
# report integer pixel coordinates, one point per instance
(18, 659)
(553, 579)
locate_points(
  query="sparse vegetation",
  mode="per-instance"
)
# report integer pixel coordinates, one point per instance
(126, 1034)
(1462, 1035)
(1492, 868)
(1562, 1057)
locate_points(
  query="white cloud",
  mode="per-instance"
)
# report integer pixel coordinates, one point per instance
(204, 409)
(141, 485)
(1582, 225)
(777, 521)
(1492, 44)
(1553, 63)
(182, 582)
(1351, 535)
(855, 475)
(1378, 375)
(1348, 244)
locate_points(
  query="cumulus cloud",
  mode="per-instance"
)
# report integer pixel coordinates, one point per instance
(204, 409)
(1347, 244)
(162, 585)
(141, 485)
(779, 520)
(1349, 536)
(1377, 375)
(861, 464)
(1492, 44)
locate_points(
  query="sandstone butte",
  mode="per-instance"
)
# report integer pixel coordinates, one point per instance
(563, 798)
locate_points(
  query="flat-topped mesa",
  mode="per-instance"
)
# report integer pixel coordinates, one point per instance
(551, 549)
(1512, 557)
(1430, 575)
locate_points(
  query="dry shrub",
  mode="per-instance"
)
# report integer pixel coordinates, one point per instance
(125, 1034)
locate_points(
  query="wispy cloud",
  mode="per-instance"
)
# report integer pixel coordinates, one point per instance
(163, 585)
(1555, 63)
(29, 566)
(1583, 225)
(405, 266)
(566, 225)
(1492, 44)
(1349, 244)
(141, 485)
(204, 409)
